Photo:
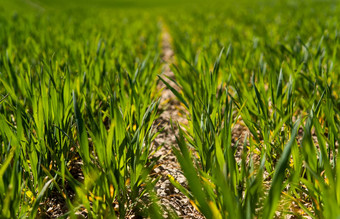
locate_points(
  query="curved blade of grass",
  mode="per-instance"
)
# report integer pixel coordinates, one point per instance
(82, 135)
(174, 91)
(3, 98)
(190, 173)
(276, 186)
(40, 196)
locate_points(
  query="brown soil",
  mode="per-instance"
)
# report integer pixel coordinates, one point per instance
(170, 197)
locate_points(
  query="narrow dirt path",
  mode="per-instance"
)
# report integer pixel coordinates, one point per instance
(170, 108)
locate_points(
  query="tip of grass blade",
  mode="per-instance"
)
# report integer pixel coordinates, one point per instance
(174, 91)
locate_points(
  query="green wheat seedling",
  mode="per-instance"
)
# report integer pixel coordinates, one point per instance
(77, 100)
(264, 81)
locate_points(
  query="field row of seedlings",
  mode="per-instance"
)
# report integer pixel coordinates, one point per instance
(79, 103)
(77, 107)
(262, 90)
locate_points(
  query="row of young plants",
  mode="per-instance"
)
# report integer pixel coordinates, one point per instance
(77, 107)
(78, 104)
(273, 69)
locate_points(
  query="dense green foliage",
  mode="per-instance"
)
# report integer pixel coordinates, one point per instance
(276, 67)
(67, 83)
(78, 95)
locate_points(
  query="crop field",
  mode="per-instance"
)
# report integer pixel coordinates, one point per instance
(169, 109)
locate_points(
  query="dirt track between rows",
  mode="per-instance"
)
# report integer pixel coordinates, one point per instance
(171, 110)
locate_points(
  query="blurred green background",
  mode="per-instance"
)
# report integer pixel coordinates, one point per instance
(157, 6)
(49, 5)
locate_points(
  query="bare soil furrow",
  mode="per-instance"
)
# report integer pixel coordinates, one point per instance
(171, 110)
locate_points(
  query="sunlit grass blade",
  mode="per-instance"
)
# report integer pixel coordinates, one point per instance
(279, 175)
